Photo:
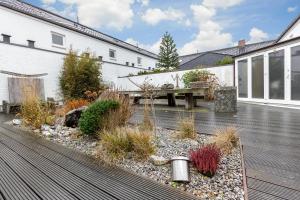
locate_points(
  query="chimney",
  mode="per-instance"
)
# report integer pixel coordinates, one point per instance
(242, 43)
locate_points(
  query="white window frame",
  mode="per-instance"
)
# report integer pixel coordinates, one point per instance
(287, 73)
(57, 45)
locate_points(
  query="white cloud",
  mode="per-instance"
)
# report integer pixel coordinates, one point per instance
(202, 13)
(208, 38)
(187, 22)
(116, 14)
(48, 1)
(150, 47)
(68, 12)
(292, 9)
(210, 35)
(144, 2)
(221, 3)
(257, 35)
(155, 15)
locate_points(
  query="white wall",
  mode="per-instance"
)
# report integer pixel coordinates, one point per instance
(292, 33)
(32, 61)
(224, 74)
(22, 28)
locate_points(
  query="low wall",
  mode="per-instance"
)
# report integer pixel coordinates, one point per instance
(224, 74)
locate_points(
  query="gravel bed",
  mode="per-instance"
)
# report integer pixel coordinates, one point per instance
(226, 184)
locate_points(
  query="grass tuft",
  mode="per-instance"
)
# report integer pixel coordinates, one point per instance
(226, 139)
(186, 128)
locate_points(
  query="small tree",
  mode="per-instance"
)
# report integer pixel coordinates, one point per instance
(168, 56)
(79, 74)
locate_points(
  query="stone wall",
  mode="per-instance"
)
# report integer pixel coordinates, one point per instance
(226, 99)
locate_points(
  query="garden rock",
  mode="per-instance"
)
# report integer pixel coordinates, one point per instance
(167, 86)
(17, 122)
(158, 160)
(72, 117)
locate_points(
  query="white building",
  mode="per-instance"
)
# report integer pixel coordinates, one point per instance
(35, 41)
(271, 74)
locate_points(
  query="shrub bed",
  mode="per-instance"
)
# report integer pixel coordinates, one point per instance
(90, 120)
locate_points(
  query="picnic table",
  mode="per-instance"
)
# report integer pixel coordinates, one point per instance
(189, 94)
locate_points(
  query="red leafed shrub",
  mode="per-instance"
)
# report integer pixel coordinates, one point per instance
(206, 159)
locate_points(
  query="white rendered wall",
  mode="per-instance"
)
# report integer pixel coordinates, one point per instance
(293, 32)
(224, 74)
(32, 61)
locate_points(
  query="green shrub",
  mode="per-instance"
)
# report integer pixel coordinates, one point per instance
(79, 74)
(225, 61)
(90, 121)
(195, 75)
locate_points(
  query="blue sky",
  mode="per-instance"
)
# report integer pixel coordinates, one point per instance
(196, 25)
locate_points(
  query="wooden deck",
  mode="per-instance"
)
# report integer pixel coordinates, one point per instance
(33, 168)
(271, 140)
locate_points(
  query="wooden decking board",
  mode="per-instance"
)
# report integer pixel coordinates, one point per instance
(144, 187)
(101, 181)
(258, 195)
(81, 189)
(272, 189)
(41, 184)
(11, 190)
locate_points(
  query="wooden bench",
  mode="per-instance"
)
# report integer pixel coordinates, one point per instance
(189, 94)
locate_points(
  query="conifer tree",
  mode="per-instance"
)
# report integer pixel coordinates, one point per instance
(168, 56)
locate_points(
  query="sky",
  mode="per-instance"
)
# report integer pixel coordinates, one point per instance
(196, 25)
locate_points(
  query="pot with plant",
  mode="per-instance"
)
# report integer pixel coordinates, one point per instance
(197, 79)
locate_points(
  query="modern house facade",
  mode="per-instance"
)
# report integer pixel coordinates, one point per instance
(35, 41)
(271, 74)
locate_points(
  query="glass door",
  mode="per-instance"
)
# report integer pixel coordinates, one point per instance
(258, 77)
(295, 73)
(243, 78)
(276, 75)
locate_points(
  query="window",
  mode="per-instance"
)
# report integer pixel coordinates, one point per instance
(276, 75)
(139, 60)
(112, 54)
(31, 43)
(243, 78)
(258, 77)
(132, 64)
(295, 73)
(127, 63)
(6, 38)
(100, 58)
(58, 39)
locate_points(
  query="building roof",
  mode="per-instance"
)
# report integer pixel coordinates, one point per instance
(203, 60)
(50, 17)
(197, 59)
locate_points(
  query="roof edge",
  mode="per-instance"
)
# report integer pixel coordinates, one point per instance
(269, 46)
